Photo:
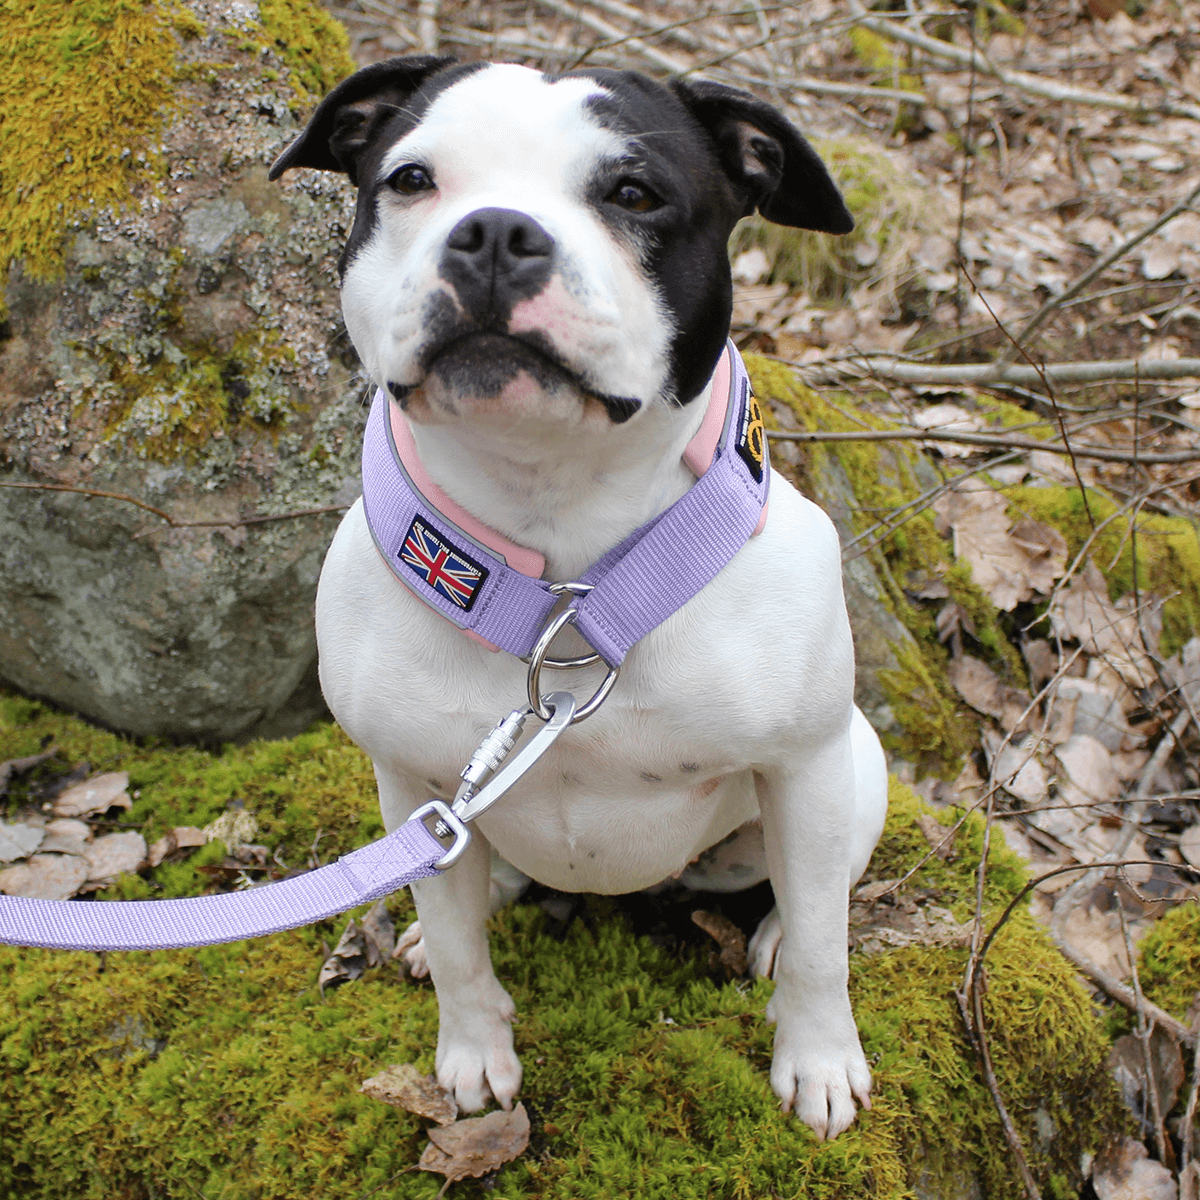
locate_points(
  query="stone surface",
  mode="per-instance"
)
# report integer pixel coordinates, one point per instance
(191, 357)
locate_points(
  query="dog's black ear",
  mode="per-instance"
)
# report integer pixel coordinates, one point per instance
(347, 119)
(769, 163)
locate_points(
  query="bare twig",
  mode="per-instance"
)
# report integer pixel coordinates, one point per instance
(1033, 84)
(1189, 1116)
(1055, 302)
(172, 523)
(899, 370)
(427, 25)
(1166, 1153)
(575, 12)
(991, 440)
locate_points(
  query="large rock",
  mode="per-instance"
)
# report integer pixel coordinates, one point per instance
(183, 347)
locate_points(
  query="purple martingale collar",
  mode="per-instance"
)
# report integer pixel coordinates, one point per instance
(490, 588)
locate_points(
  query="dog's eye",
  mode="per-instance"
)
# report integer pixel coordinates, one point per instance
(634, 197)
(410, 179)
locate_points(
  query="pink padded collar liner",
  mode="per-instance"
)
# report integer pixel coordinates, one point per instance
(487, 586)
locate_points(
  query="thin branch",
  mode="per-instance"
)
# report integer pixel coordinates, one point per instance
(1021, 80)
(172, 523)
(1056, 302)
(1189, 1117)
(991, 440)
(899, 370)
(574, 13)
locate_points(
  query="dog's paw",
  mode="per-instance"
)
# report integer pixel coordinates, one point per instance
(410, 950)
(476, 1060)
(818, 1077)
(764, 946)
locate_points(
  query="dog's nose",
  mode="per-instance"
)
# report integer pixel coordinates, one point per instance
(495, 257)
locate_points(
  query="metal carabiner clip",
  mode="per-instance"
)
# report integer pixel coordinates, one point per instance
(488, 760)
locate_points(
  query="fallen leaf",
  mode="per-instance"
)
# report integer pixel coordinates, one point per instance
(477, 1145)
(751, 266)
(66, 835)
(1189, 845)
(18, 841)
(45, 877)
(1127, 1062)
(379, 933)
(1098, 712)
(940, 839)
(182, 837)
(1089, 772)
(1082, 612)
(1123, 1171)
(113, 855)
(729, 938)
(906, 924)
(403, 1086)
(948, 418)
(983, 690)
(1016, 767)
(1189, 1182)
(1010, 562)
(95, 795)
(348, 960)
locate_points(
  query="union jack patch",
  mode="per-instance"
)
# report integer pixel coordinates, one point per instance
(750, 437)
(444, 567)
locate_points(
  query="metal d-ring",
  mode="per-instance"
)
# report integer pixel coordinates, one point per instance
(538, 660)
(567, 664)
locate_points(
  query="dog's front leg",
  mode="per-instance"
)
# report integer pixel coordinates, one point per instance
(475, 1055)
(807, 808)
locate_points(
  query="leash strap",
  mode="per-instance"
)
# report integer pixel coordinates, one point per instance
(406, 854)
(489, 587)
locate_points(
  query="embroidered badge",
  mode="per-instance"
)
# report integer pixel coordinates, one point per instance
(750, 437)
(444, 567)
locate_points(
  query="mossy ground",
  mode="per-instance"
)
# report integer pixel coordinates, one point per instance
(224, 1073)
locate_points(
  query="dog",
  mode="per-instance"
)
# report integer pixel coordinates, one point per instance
(538, 275)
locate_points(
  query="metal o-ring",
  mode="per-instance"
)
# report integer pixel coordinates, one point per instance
(538, 659)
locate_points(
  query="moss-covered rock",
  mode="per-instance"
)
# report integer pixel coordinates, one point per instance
(224, 1073)
(172, 334)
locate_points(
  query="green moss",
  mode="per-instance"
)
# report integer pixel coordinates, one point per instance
(312, 43)
(94, 86)
(223, 1073)
(96, 83)
(938, 730)
(1170, 960)
(1167, 551)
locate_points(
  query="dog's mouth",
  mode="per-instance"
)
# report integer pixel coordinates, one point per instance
(482, 362)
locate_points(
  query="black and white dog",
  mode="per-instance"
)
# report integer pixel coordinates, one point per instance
(538, 274)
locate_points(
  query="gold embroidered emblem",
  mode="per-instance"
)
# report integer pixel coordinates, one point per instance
(750, 443)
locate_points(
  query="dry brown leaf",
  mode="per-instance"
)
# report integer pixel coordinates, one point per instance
(983, 690)
(1127, 1062)
(348, 960)
(95, 795)
(66, 835)
(881, 928)
(1009, 562)
(1082, 612)
(182, 837)
(728, 936)
(1124, 1172)
(379, 934)
(940, 839)
(1189, 845)
(19, 841)
(403, 1086)
(1017, 768)
(45, 877)
(113, 855)
(1088, 770)
(477, 1145)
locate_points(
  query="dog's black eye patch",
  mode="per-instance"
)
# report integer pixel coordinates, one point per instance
(410, 179)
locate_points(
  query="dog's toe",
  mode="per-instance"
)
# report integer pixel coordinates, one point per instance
(410, 950)
(764, 945)
(480, 1068)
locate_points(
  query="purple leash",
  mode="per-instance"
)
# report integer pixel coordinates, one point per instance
(462, 574)
(406, 854)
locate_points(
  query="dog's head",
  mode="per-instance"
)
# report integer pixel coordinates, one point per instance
(549, 247)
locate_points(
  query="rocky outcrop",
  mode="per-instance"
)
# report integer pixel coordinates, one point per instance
(182, 347)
